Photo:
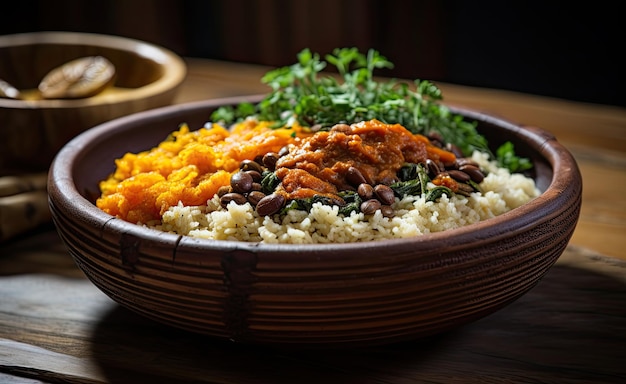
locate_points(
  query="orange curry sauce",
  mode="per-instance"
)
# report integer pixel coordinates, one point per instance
(318, 165)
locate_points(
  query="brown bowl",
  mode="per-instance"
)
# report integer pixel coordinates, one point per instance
(33, 130)
(311, 295)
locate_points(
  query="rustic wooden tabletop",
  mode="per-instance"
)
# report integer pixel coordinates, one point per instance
(57, 327)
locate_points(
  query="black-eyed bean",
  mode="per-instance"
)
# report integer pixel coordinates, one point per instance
(365, 191)
(238, 198)
(254, 197)
(241, 182)
(385, 194)
(370, 206)
(459, 175)
(354, 176)
(474, 172)
(270, 204)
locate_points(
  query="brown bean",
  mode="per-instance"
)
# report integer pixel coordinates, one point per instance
(241, 182)
(387, 211)
(270, 204)
(365, 191)
(385, 194)
(464, 189)
(254, 197)
(270, 159)
(454, 149)
(459, 176)
(465, 161)
(436, 139)
(257, 187)
(440, 165)
(388, 180)
(433, 168)
(256, 176)
(224, 189)
(474, 172)
(370, 206)
(354, 176)
(250, 165)
(238, 198)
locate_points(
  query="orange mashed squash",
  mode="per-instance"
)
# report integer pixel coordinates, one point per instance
(189, 167)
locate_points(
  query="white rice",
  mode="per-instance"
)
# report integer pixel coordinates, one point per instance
(414, 216)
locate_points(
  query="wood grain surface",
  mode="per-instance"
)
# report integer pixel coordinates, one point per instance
(56, 327)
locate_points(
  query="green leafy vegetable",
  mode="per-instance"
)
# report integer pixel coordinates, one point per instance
(506, 157)
(269, 182)
(437, 192)
(413, 181)
(307, 204)
(408, 171)
(303, 92)
(353, 202)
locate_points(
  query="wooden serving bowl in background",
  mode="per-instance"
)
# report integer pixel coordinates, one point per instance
(33, 130)
(310, 295)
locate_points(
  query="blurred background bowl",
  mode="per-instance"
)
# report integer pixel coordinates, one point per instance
(310, 295)
(33, 130)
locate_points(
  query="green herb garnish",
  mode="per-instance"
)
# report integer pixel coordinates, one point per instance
(437, 192)
(269, 182)
(413, 181)
(303, 92)
(506, 157)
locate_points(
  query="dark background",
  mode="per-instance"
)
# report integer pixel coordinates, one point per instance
(569, 50)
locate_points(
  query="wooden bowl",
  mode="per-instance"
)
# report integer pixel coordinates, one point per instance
(310, 295)
(33, 130)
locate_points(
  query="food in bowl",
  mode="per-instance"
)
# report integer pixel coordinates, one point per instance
(292, 176)
(312, 295)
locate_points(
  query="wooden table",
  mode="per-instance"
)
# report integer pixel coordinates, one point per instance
(56, 327)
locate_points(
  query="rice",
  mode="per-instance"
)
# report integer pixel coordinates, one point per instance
(174, 188)
(501, 191)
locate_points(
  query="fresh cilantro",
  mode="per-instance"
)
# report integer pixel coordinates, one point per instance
(317, 99)
(506, 157)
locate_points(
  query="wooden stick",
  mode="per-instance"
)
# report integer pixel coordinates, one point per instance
(12, 185)
(22, 212)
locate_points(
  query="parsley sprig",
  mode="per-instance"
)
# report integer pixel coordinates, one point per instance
(305, 92)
